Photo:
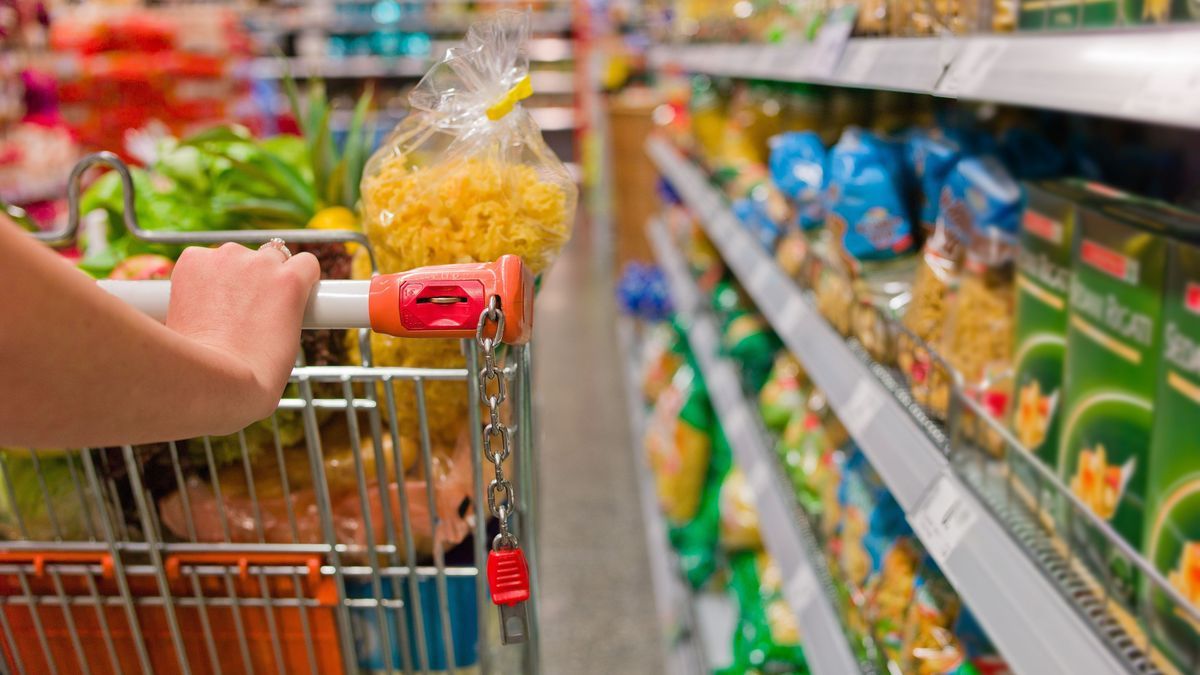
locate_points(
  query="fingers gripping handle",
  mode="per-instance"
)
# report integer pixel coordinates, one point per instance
(440, 301)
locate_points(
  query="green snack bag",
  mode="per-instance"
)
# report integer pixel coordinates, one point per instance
(784, 392)
(1173, 485)
(697, 540)
(1114, 343)
(749, 341)
(1043, 290)
(767, 637)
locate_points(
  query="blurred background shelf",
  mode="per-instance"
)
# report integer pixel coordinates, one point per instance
(806, 584)
(1026, 615)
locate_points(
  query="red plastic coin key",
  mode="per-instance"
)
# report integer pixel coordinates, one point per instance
(508, 580)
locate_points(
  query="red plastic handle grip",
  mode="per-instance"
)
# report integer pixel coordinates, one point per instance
(445, 301)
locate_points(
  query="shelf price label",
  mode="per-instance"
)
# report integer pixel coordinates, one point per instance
(801, 588)
(830, 43)
(943, 517)
(861, 407)
(971, 67)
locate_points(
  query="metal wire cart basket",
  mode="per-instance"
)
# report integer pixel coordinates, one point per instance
(343, 534)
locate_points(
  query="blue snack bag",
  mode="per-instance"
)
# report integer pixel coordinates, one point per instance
(931, 157)
(865, 197)
(979, 199)
(754, 218)
(797, 165)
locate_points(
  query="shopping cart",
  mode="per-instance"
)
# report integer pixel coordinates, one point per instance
(321, 540)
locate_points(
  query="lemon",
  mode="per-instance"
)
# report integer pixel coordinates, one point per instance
(336, 218)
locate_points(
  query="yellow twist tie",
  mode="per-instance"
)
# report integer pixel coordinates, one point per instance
(519, 92)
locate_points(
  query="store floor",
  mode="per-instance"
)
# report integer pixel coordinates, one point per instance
(597, 604)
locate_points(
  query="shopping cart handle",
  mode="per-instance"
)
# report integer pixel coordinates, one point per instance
(441, 301)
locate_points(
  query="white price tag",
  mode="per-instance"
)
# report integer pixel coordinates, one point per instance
(861, 57)
(971, 67)
(943, 517)
(831, 42)
(801, 588)
(759, 477)
(861, 407)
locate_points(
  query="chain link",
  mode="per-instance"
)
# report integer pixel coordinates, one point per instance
(501, 497)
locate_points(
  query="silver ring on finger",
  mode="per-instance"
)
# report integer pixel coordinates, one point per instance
(277, 244)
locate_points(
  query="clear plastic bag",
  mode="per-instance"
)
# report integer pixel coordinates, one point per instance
(467, 177)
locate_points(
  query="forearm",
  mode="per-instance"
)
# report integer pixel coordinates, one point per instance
(98, 373)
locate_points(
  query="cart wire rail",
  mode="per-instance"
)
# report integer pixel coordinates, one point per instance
(335, 536)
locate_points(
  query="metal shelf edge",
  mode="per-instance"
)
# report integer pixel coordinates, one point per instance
(825, 645)
(1147, 75)
(1035, 628)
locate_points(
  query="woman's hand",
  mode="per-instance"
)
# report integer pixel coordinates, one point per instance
(246, 304)
(83, 369)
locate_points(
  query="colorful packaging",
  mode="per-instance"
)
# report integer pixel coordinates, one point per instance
(1043, 289)
(663, 350)
(1114, 344)
(977, 197)
(767, 637)
(750, 343)
(739, 519)
(677, 444)
(696, 541)
(931, 156)
(784, 392)
(797, 166)
(977, 338)
(754, 218)
(865, 197)
(1172, 542)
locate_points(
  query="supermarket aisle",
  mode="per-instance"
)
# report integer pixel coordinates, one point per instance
(598, 612)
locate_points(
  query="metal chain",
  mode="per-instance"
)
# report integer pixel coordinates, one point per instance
(493, 390)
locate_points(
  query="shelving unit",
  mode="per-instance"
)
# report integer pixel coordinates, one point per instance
(784, 531)
(1024, 612)
(1149, 75)
(699, 623)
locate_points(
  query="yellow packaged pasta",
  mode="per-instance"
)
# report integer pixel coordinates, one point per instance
(466, 177)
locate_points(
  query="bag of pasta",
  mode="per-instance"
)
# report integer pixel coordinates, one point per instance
(465, 177)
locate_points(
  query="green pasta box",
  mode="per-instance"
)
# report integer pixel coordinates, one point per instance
(1043, 287)
(1067, 14)
(1114, 339)
(1172, 541)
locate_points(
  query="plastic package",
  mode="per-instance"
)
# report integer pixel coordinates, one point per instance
(677, 444)
(797, 165)
(865, 197)
(661, 357)
(767, 636)
(978, 196)
(783, 394)
(465, 177)
(739, 519)
(979, 330)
